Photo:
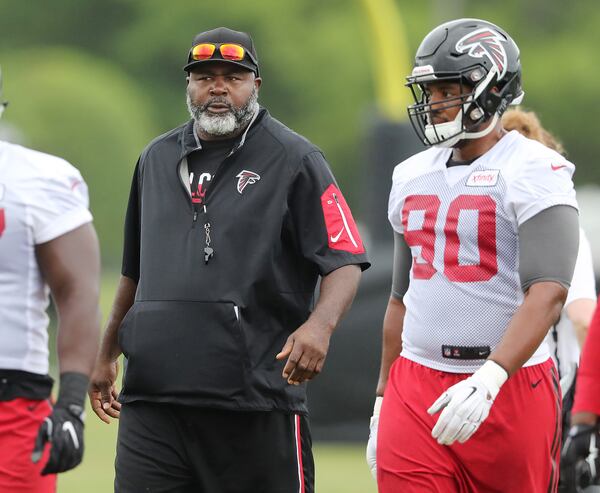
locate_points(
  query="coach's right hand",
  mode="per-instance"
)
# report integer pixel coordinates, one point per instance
(305, 350)
(103, 392)
(372, 443)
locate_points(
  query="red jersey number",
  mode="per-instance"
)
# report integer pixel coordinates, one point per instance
(425, 237)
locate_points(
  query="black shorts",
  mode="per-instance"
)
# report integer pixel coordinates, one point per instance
(182, 449)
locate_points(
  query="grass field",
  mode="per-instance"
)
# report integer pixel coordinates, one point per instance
(340, 468)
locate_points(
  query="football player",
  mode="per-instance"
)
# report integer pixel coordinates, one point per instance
(580, 467)
(47, 245)
(486, 237)
(567, 336)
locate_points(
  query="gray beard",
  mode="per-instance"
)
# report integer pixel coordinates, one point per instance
(225, 124)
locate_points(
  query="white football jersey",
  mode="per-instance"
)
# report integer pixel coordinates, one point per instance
(41, 197)
(565, 350)
(461, 224)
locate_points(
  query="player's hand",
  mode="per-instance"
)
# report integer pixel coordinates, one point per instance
(372, 443)
(64, 427)
(305, 350)
(467, 404)
(64, 430)
(103, 391)
(581, 445)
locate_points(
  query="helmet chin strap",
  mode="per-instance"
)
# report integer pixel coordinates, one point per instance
(464, 134)
(484, 132)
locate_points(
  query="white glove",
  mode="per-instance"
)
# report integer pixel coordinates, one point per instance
(372, 443)
(467, 404)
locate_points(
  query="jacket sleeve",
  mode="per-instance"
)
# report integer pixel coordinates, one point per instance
(323, 224)
(131, 244)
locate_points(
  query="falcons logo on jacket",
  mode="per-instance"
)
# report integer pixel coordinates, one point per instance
(245, 178)
(485, 42)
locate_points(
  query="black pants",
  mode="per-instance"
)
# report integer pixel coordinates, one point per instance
(182, 449)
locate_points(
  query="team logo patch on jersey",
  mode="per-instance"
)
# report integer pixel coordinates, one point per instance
(487, 43)
(486, 178)
(246, 178)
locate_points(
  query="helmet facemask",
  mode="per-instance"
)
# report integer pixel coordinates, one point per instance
(472, 112)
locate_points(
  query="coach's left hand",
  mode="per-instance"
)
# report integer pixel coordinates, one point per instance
(305, 350)
(467, 404)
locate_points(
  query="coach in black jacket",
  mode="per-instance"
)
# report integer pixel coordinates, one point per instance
(231, 220)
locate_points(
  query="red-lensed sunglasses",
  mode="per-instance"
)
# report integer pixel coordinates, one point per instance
(228, 51)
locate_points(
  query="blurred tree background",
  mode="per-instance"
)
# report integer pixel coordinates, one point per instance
(93, 81)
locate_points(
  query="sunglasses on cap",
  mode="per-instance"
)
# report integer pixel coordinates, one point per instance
(228, 51)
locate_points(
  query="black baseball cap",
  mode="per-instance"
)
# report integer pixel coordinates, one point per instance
(222, 35)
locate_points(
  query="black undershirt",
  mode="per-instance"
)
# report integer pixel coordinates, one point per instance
(203, 163)
(451, 162)
(22, 384)
(205, 160)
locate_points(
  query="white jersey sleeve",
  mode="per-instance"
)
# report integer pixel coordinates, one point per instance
(61, 201)
(543, 181)
(583, 285)
(562, 340)
(41, 198)
(395, 203)
(404, 173)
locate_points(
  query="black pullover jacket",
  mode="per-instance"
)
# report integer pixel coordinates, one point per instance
(206, 334)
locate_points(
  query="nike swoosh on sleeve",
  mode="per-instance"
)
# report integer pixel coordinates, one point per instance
(334, 239)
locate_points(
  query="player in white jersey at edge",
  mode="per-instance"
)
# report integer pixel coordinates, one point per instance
(47, 245)
(486, 237)
(567, 336)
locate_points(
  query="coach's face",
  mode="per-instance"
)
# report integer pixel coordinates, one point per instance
(221, 98)
(221, 81)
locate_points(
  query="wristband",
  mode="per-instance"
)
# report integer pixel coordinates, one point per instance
(377, 406)
(72, 390)
(493, 376)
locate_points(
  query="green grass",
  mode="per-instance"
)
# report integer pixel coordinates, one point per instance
(339, 468)
(342, 469)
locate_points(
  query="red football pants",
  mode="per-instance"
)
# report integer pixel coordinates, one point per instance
(515, 450)
(20, 420)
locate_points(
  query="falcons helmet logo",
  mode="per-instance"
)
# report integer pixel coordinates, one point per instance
(246, 178)
(485, 42)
